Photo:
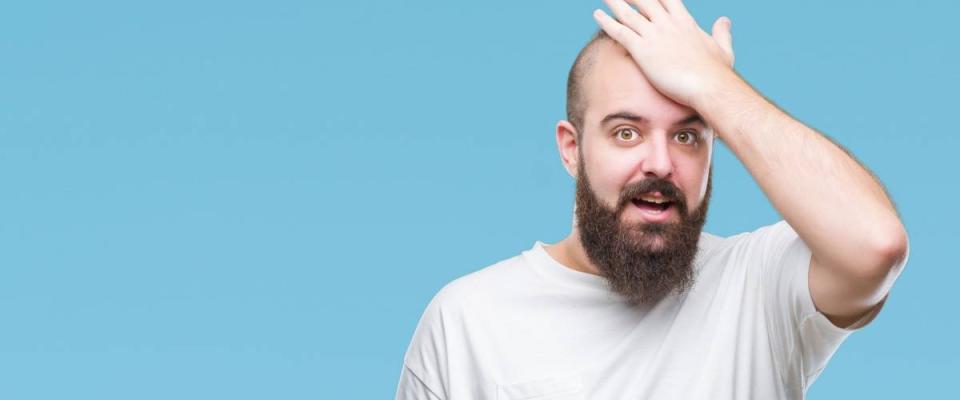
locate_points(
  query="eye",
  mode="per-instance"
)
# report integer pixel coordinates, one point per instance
(688, 137)
(626, 134)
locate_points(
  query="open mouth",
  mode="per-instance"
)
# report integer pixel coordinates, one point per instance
(652, 205)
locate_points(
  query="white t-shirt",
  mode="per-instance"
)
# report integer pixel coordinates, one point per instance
(529, 327)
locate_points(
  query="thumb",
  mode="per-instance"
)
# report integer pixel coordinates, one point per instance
(723, 37)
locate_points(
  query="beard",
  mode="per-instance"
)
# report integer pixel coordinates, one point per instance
(628, 254)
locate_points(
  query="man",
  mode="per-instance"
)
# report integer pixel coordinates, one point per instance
(637, 302)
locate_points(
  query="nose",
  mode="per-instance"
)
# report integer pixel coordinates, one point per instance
(658, 162)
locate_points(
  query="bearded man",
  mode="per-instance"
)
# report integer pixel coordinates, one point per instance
(638, 302)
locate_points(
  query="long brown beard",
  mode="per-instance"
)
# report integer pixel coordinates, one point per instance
(626, 254)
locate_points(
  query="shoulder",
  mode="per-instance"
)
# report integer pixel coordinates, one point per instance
(712, 246)
(454, 308)
(763, 236)
(746, 251)
(490, 281)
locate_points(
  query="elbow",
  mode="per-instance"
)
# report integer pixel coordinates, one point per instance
(890, 249)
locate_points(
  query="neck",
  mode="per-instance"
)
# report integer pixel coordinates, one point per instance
(571, 254)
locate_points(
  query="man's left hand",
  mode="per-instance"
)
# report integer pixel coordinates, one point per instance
(681, 60)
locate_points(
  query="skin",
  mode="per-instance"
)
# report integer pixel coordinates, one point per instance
(837, 207)
(624, 151)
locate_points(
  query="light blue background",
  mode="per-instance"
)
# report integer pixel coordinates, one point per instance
(253, 200)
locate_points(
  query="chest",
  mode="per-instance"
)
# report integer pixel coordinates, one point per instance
(712, 343)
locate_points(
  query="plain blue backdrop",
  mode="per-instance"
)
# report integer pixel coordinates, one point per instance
(249, 200)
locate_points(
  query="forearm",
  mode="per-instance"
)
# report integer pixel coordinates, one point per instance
(836, 206)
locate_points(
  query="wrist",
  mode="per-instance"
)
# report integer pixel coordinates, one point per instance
(729, 105)
(722, 83)
(726, 93)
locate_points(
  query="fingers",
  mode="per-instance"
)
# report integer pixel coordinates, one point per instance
(723, 37)
(628, 16)
(652, 9)
(676, 9)
(673, 6)
(619, 32)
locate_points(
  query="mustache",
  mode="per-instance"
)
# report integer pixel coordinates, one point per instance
(669, 191)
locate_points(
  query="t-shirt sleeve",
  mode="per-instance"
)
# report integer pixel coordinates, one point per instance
(425, 364)
(803, 338)
(411, 387)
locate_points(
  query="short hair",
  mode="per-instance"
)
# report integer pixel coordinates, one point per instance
(576, 103)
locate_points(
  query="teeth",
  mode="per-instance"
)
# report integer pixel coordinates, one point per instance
(653, 200)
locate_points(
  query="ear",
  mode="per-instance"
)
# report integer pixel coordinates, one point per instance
(567, 145)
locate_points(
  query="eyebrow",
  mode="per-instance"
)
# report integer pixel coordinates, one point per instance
(693, 118)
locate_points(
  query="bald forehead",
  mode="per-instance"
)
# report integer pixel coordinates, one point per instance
(611, 75)
(599, 48)
(606, 54)
(614, 88)
(603, 68)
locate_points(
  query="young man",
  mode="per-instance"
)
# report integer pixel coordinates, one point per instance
(638, 302)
